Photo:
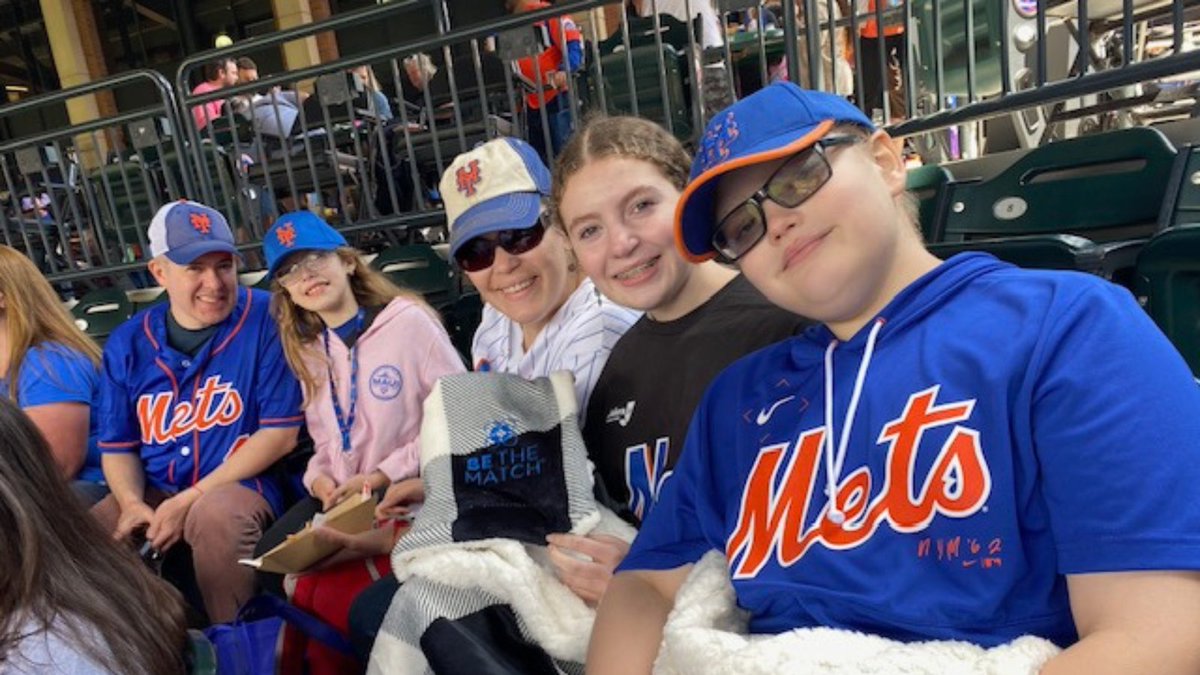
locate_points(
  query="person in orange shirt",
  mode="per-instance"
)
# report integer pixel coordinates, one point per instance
(875, 82)
(562, 54)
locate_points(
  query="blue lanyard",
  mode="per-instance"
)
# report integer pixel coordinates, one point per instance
(344, 422)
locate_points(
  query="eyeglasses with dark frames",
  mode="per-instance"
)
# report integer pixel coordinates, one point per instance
(790, 185)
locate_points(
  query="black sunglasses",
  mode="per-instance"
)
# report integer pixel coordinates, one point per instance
(480, 252)
(790, 186)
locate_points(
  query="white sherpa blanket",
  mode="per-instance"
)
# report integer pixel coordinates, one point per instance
(487, 571)
(706, 633)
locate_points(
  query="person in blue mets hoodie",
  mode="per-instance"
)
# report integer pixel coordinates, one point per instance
(962, 451)
(196, 403)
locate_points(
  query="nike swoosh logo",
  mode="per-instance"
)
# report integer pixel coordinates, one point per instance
(764, 415)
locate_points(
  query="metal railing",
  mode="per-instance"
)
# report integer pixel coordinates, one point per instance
(79, 198)
(367, 153)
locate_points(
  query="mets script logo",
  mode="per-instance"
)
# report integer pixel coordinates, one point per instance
(501, 433)
(162, 419)
(200, 222)
(468, 178)
(286, 235)
(386, 382)
(715, 146)
(645, 473)
(777, 500)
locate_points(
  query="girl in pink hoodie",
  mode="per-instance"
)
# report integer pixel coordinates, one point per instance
(366, 353)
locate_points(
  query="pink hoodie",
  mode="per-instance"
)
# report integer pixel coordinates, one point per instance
(400, 355)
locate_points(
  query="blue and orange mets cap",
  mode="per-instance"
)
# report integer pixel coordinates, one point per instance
(185, 230)
(776, 121)
(298, 231)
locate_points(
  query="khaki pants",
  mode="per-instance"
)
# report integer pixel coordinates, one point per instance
(222, 526)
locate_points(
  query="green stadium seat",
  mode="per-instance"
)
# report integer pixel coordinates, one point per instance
(100, 312)
(201, 656)
(1168, 271)
(418, 268)
(955, 51)
(928, 185)
(141, 298)
(653, 102)
(462, 319)
(1182, 204)
(1046, 251)
(127, 195)
(1108, 188)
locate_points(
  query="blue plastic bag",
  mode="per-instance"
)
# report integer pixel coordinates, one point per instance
(252, 644)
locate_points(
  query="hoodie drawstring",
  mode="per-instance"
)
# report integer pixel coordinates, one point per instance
(834, 461)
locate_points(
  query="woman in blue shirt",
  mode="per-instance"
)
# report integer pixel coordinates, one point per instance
(49, 368)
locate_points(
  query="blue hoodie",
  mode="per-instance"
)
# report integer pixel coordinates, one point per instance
(1008, 427)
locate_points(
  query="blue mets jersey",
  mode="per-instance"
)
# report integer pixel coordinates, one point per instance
(1012, 427)
(186, 414)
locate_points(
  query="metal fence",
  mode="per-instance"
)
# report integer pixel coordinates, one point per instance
(364, 139)
(77, 199)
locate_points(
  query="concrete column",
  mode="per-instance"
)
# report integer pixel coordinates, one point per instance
(79, 58)
(289, 14)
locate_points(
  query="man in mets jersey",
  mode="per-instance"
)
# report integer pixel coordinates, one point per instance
(196, 402)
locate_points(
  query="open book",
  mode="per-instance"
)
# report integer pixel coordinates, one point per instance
(302, 550)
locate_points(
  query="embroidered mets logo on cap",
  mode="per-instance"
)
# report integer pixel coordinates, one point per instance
(201, 222)
(468, 178)
(185, 230)
(714, 149)
(286, 235)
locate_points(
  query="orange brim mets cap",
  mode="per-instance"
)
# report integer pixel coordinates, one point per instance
(773, 122)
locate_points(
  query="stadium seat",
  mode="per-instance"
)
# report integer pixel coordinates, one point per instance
(1108, 188)
(418, 268)
(462, 319)
(1182, 203)
(1046, 251)
(1168, 271)
(255, 279)
(928, 185)
(201, 656)
(100, 312)
(654, 102)
(141, 298)
(127, 195)
(671, 30)
(955, 49)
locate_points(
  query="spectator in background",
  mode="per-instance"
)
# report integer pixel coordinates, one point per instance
(217, 75)
(886, 82)
(711, 34)
(71, 599)
(836, 75)
(365, 81)
(48, 367)
(247, 70)
(549, 71)
(419, 71)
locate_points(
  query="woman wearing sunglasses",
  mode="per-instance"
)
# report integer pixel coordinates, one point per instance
(615, 188)
(541, 314)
